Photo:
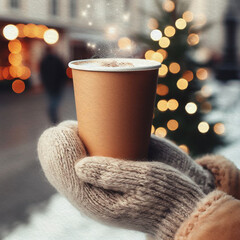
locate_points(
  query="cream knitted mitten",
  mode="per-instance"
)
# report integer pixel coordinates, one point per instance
(167, 152)
(151, 197)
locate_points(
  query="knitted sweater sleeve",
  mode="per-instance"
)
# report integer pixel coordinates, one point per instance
(216, 217)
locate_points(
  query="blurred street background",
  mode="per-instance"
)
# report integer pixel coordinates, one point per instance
(197, 101)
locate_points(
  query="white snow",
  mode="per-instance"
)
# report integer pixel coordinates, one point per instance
(60, 221)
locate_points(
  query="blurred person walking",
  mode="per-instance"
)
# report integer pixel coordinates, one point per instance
(53, 76)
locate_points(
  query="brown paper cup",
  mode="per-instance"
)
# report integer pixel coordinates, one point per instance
(114, 106)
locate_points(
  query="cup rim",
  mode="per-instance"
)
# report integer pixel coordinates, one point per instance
(151, 65)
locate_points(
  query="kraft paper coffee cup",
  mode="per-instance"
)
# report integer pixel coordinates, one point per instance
(114, 105)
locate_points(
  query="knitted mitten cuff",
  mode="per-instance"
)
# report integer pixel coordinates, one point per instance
(205, 208)
(227, 175)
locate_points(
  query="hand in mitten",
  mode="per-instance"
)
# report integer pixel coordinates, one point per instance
(151, 197)
(209, 172)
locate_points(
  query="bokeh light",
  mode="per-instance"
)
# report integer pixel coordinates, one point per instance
(206, 107)
(174, 67)
(26, 73)
(111, 33)
(162, 105)
(15, 59)
(172, 125)
(202, 74)
(18, 86)
(188, 75)
(203, 127)
(219, 128)
(184, 148)
(168, 5)
(162, 90)
(193, 39)
(5, 73)
(182, 84)
(161, 132)
(187, 16)
(163, 52)
(149, 54)
(69, 72)
(172, 104)
(164, 42)
(163, 70)
(156, 34)
(20, 27)
(180, 24)
(169, 31)
(16, 71)
(41, 30)
(206, 91)
(51, 36)
(191, 108)
(10, 32)
(152, 23)
(124, 43)
(15, 46)
(152, 129)
(157, 57)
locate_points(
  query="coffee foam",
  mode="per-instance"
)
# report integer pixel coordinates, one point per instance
(114, 64)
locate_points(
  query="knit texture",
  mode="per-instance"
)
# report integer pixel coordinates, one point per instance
(226, 174)
(151, 197)
(205, 208)
(167, 152)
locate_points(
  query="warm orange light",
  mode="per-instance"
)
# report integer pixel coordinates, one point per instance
(203, 127)
(26, 73)
(163, 70)
(168, 5)
(172, 125)
(219, 128)
(15, 59)
(180, 23)
(163, 52)
(188, 16)
(174, 67)
(69, 72)
(1, 76)
(149, 54)
(169, 31)
(193, 39)
(41, 30)
(188, 75)
(182, 84)
(161, 132)
(152, 129)
(15, 46)
(162, 89)
(202, 74)
(162, 105)
(184, 148)
(164, 42)
(20, 27)
(152, 23)
(5, 73)
(124, 43)
(30, 30)
(157, 57)
(172, 104)
(18, 86)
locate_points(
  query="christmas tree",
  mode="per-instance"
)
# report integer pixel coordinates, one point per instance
(183, 98)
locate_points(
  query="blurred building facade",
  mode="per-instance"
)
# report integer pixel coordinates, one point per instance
(84, 27)
(90, 28)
